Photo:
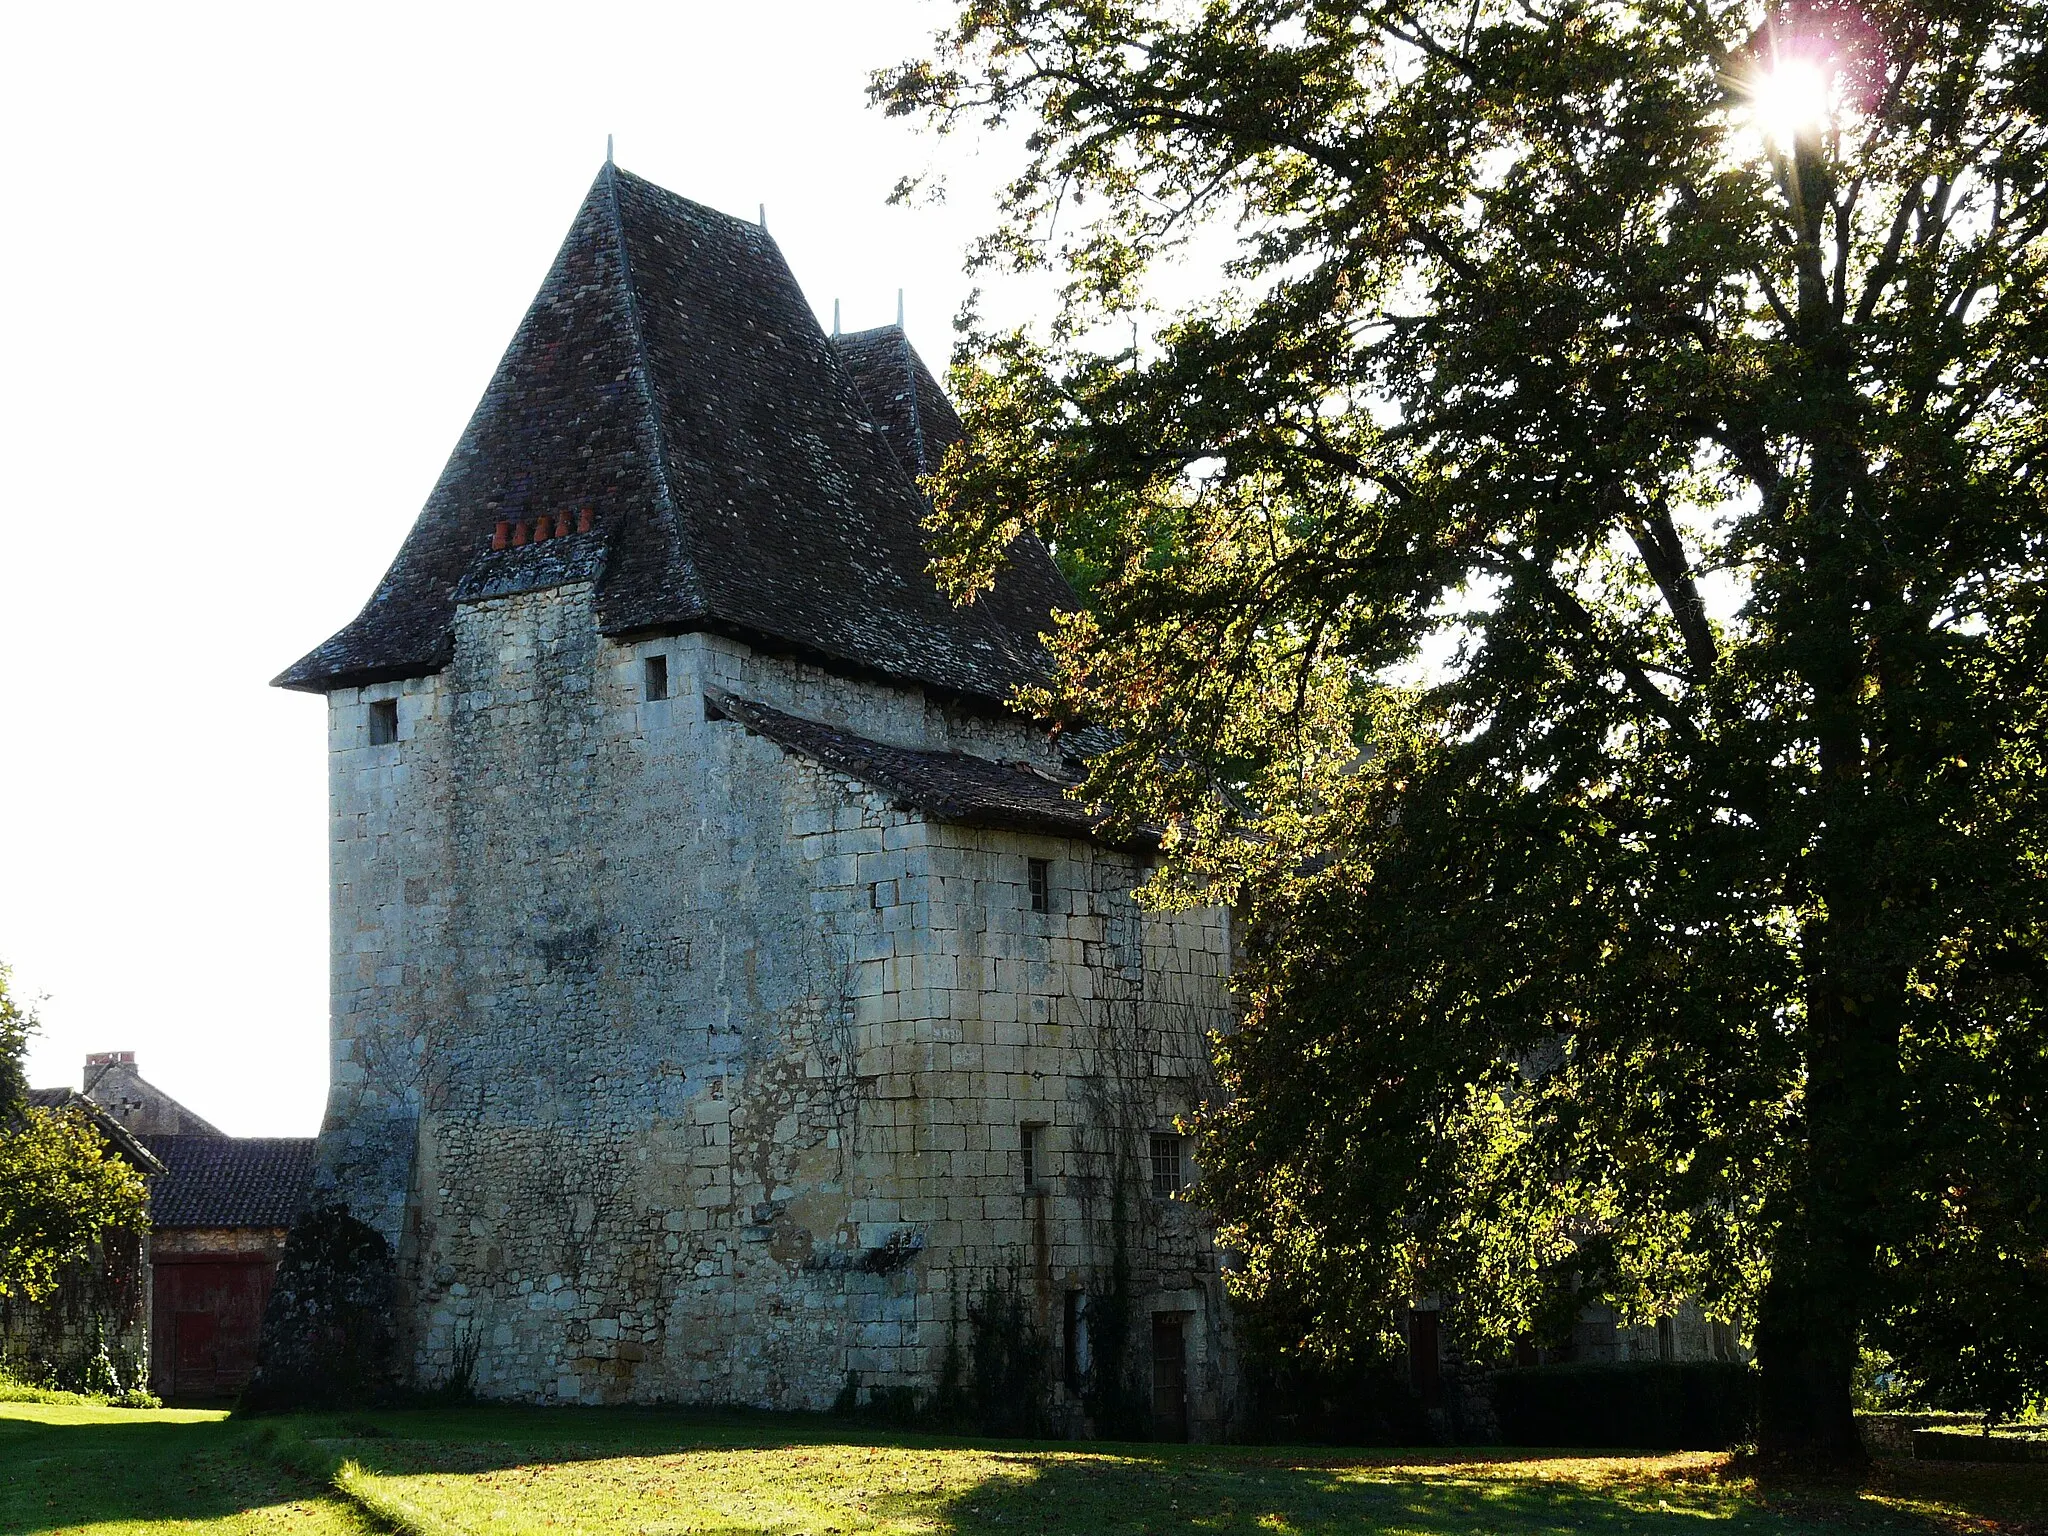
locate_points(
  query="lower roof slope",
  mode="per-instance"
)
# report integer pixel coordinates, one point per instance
(957, 787)
(671, 378)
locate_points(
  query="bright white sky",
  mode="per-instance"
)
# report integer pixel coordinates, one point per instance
(258, 264)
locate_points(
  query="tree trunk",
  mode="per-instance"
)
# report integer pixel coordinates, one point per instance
(1806, 1342)
(1823, 1273)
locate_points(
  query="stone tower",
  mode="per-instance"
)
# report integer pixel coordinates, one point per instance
(729, 1005)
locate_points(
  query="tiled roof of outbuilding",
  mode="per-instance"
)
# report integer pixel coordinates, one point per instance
(230, 1181)
(947, 786)
(671, 377)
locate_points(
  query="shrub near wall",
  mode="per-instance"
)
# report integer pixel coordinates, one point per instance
(327, 1334)
(1662, 1405)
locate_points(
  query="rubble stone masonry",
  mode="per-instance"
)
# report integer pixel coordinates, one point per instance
(678, 1067)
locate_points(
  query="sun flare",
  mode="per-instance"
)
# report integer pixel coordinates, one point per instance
(1789, 99)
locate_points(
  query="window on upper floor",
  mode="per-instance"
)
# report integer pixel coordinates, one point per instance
(654, 678)
(1038, 874)
(1031, 1152)
(383, 722)
(1166, 1175)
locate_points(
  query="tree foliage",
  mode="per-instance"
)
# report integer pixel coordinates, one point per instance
(61, 1187)
(17, 1024)
(1575, 583)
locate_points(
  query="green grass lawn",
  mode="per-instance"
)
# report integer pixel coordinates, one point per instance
(105, 1470)
(508, 1471)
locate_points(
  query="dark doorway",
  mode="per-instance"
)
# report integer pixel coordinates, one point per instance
(1169, 1376)
(1425, 1358)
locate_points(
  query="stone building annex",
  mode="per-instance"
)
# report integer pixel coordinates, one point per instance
(729, 1005)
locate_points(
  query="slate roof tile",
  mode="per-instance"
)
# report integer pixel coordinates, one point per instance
(671, 377)
(917, 420)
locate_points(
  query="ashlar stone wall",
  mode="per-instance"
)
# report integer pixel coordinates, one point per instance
(678, 1067)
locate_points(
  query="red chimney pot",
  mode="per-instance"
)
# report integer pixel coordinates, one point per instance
(583, 520)
(519, 533)
(502, 536)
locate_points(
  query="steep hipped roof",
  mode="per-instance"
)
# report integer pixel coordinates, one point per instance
(917, 420)
(230, 1181)
(947, 786)
(671, 377)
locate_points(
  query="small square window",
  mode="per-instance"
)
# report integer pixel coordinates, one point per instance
(383, 722)
(1031, 1149)
(654, 674)
(1039, 873)
(1166, 1179)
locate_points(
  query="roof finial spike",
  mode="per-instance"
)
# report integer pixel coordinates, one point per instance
(764, 216)
(835, 317)
(899, 309)
(607, 149)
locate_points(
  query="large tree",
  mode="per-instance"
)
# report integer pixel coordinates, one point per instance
(1576, 582)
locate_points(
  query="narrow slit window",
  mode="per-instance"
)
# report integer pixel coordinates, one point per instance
(383, 722)
(1031, 1151)
(1166, 1179)
(1040, 877)
(654, 674)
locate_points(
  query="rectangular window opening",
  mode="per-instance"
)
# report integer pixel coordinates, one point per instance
(1031, 1151)
(383, 722)
(1040, 875)
(1074, 1340)
(655, 675)
(1166, 1179)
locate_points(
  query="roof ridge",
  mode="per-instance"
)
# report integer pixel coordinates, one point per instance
(910, 388)
(680, 560)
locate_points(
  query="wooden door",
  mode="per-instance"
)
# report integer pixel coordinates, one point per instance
(195, 1362)
(1169, 1376)
(208, 1316)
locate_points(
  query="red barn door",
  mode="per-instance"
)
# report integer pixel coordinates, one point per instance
(207, 1314)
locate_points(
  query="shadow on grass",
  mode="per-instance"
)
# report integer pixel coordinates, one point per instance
(604, 1471)
(509, 1470)
(55, 1476)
